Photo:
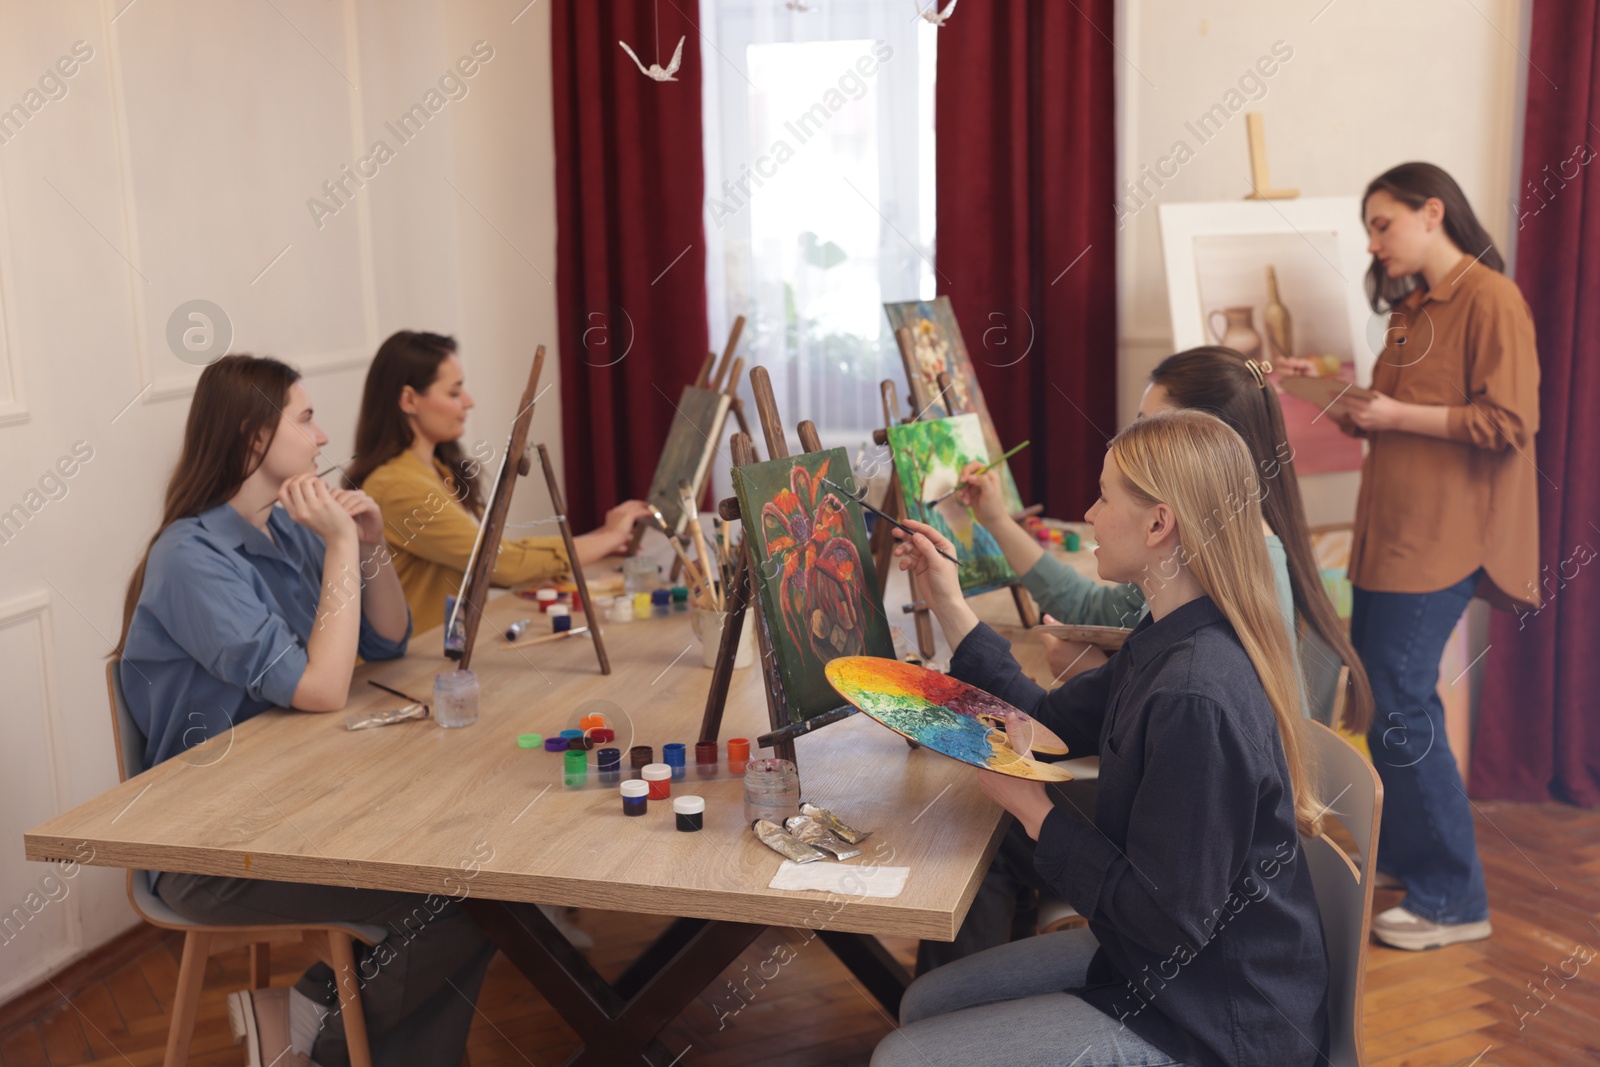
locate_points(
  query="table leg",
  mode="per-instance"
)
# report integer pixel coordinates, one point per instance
(616, 1026)
(872, 964)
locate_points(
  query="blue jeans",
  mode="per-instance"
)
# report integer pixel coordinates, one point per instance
(1005, 1005)
(1426, 839)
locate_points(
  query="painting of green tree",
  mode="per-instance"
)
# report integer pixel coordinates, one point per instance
(928, 456)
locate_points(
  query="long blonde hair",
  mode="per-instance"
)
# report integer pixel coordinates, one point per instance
(1197, 465)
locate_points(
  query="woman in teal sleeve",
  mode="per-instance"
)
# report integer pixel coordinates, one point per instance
(260, 588)
(1223, 383)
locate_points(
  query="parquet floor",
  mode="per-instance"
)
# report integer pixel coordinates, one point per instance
(1528, 996)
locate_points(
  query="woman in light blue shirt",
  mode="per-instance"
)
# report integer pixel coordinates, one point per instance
(260, 588)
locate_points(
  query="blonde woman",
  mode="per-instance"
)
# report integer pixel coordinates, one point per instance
(1204, 944)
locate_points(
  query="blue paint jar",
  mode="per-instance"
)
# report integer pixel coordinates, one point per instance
(673, 756)
(635, 797)
(610, 760)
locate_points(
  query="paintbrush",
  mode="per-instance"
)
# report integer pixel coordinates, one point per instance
(892, 522)
(963, 484)
(690, 570)
(574, 632)
(691, 508)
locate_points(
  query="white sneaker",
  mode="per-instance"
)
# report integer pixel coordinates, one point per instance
(260, 1018)
(558, 917)
(1398, 928)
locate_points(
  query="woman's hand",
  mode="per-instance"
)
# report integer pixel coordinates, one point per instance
(364, 512)
(1295, 367)
(310, 502)
(615, 535)
(1023, 798)
(1379, 413)
(983, 494)
(919, 554)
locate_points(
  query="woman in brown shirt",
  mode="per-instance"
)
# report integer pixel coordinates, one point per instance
(1447, 510)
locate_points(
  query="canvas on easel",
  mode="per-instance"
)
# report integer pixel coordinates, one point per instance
(686, 455)
(805, 613)
(930, 344)
(929, 455)
(461, 626)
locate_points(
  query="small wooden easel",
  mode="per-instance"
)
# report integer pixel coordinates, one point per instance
(883, 539)
(922, 402)
(724, 380)
(480, 567)
(743, 594)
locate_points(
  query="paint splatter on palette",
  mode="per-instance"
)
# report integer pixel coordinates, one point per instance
(938, 712)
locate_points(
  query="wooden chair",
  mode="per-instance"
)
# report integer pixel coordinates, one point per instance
(333, 943)
(1350, 787)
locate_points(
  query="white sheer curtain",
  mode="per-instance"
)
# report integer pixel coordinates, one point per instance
(819, 196)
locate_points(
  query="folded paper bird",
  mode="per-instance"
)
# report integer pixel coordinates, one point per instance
(654, 70)
(933, 14)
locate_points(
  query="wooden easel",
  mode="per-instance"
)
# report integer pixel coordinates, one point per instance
(1260, 185)
(480, 567)
(725, 379)
(743, 595)
(883, 539)
(922, 402)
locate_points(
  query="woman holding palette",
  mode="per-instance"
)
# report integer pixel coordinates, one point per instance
(1204, 944)
(409, 459)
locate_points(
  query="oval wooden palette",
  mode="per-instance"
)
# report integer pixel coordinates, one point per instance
(938, 712)
(1109, 638)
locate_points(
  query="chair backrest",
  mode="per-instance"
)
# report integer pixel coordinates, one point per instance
(1324, 672)
(1350, 788)
(130, 743)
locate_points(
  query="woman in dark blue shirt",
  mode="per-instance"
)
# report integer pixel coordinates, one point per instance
(1204, 944)
(259, 590)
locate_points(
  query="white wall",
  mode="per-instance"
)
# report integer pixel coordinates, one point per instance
(1370, 84)
(177, 166)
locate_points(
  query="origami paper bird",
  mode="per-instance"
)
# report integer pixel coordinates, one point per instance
(654, 70)
(933, 14)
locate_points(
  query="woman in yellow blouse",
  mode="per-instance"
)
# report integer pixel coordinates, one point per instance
(410, 460)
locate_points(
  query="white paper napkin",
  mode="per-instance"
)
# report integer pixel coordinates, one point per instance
(842, 878)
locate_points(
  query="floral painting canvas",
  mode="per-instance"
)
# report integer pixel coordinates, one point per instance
(928, 456)
(814, 572)
(937, 348)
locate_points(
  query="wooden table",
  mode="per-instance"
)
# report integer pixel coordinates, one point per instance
(467, 813)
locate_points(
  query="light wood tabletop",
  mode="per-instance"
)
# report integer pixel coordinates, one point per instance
(291, 796)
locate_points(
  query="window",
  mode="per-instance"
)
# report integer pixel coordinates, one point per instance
(819, 196)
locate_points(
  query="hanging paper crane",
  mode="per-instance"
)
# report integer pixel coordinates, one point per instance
(933, 14)
(654, 70)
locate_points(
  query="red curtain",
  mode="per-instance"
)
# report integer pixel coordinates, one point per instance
(630, 244)
(1026, 231)
(1538, 737)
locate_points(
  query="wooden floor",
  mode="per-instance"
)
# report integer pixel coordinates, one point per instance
(1529, 996)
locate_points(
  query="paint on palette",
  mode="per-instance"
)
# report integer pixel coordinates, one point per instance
(928, 456)
(939, 712)
(814, 573)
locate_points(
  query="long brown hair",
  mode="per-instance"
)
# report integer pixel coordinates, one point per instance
(382, 430)
(1219, 381)
(1414, 184)
(1191, 461)
(236, 400)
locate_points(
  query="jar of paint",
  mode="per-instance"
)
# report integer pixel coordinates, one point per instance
(690, 812)
(640, 757)
(771, 790)
(705, 759)
(560, 619)
(673, 756)
(603, 735)
(1073, 542)
(738, 754)
(641, 605)
(660, 601)
(622, 610)
(575, 772)
(546, 597)
(589, 722)
(610, 765)
(635, 798)
(556, 744)
(680, 598)
(455, 698)
(658, 776)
